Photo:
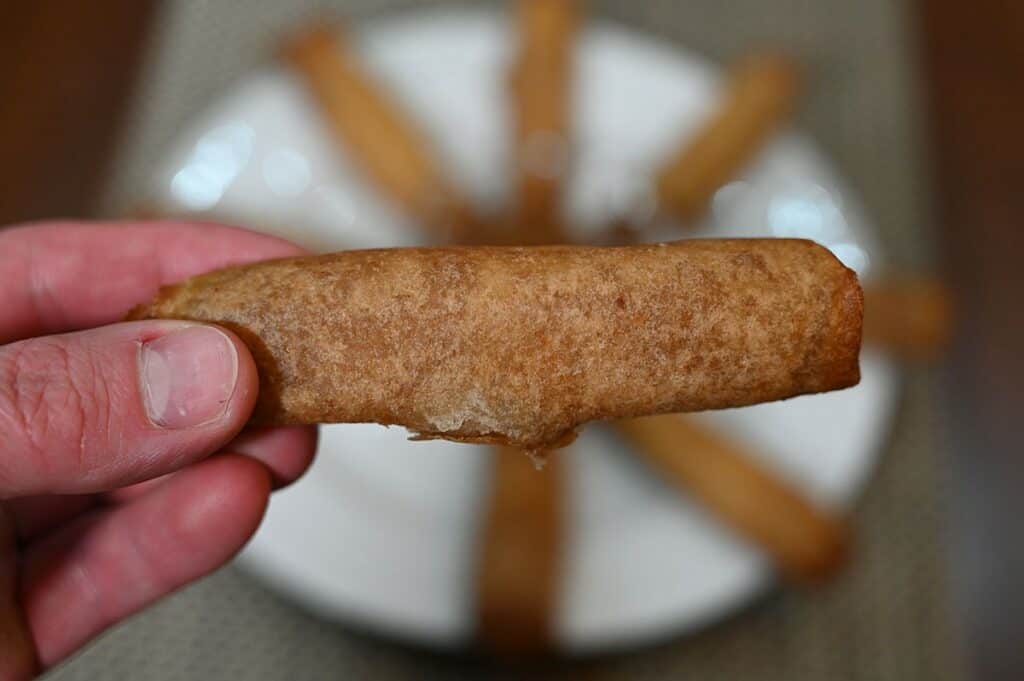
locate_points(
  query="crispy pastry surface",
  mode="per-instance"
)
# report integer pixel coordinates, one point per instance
(521, 346)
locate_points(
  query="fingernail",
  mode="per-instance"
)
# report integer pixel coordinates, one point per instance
(188, 376)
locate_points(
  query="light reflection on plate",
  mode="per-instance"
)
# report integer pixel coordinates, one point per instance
(286, 172)
(215, 162)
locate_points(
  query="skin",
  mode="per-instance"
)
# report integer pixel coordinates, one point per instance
(103, 512)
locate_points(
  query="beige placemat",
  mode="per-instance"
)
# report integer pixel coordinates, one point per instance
(886, 618)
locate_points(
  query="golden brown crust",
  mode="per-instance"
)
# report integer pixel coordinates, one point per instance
(540, 88)
(759, 96)
(910, 315)
(375, 133)
(521, 346)
(807, 543)
(521, 556)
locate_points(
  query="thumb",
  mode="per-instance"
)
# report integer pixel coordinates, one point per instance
(90, 411)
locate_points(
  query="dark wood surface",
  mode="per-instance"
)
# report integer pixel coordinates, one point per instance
(66, 71)
(973, 58)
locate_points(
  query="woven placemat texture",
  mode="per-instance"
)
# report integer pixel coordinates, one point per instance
(887, 617)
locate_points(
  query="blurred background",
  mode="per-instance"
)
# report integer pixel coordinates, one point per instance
(915, 105)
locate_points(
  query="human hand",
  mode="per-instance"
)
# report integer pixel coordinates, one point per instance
(122, 472)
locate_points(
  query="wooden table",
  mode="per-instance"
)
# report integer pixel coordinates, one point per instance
(66, 70)
(973, 56)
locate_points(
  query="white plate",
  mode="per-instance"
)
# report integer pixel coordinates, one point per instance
(381, 531)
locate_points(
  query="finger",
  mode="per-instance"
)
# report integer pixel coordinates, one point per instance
(57, 277)
(123, 495)
(286, 452)
(38, 515)
(109, 564)
(17, 652)
(99, 409)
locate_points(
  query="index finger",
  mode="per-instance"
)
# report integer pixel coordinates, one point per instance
(57, 277)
